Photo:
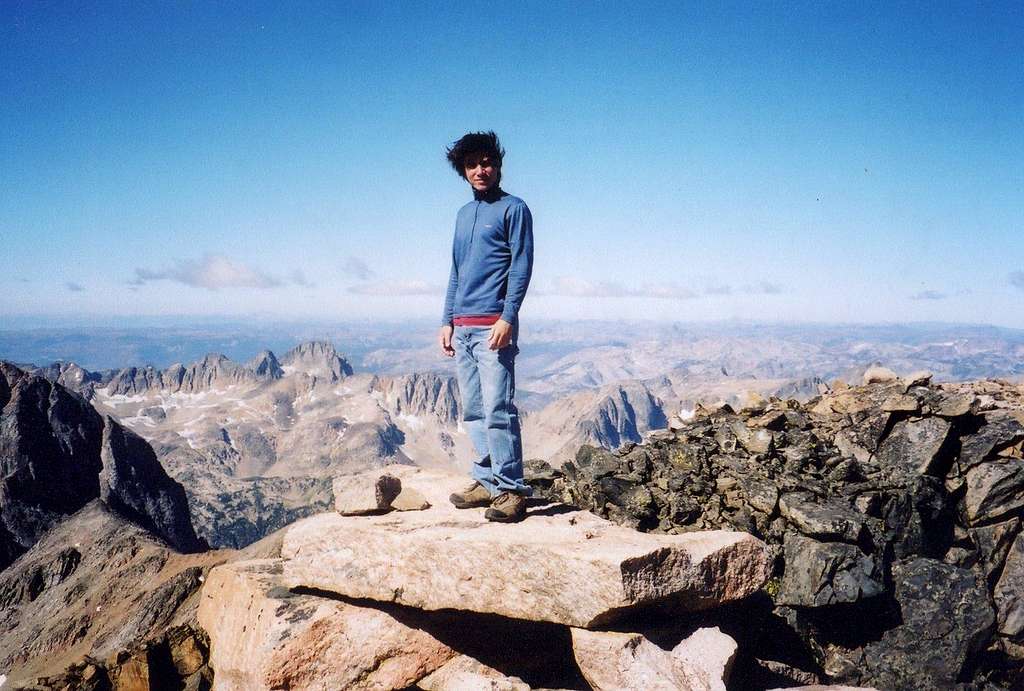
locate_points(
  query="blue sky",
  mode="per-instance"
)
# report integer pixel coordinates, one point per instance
(773, 161)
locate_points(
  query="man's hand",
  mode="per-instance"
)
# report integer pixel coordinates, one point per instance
(501, 334)
(444, 338)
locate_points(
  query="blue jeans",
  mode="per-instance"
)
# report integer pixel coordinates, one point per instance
(487, 382)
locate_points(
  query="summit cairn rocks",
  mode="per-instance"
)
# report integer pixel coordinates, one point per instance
(892, 509)
(560, 565)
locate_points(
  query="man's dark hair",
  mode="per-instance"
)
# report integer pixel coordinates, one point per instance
(474, 143)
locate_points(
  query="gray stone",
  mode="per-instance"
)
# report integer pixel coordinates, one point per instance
(819, 573)
(876, 374)
(753, 440)
(465, 673)
(862, 439)
(565, 567)
(761, 493)
(946, 617)
(993, 543)
(611, 661)
(410, 499)
(774, 420)
(1001, 429)
(900, 403)
(829, 520)
(994, 489)
(1009, 592)
(914, 444)
(921, 377)
(952, 405)
(263, 636)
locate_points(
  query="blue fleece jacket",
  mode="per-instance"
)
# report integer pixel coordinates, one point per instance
(492, 258)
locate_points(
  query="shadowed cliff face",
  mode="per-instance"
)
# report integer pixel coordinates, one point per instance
(134, 484)
(50, 443)
(57, 454)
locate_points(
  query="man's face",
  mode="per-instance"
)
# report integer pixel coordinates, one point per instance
(481, 171)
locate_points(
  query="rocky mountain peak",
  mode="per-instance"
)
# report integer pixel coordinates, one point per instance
(133, 483)
(421, 394)
(266, 366)
(213, 360)
(317, 359)
(213, 370)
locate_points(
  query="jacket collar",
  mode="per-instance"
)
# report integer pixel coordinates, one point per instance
(492, 195)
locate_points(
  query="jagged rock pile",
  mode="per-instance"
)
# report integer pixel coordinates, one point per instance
(893, 510)
(442, 599)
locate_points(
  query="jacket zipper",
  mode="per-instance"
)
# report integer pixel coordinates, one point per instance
(472, 233)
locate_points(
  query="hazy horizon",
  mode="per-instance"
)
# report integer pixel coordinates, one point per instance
(409, 345)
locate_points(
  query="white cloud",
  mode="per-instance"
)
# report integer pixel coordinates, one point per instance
(213, 272)
(393, 288)
(570, 286)
(763, 288)
(667, 291)
(718, 289)
(929, 295)
(358, 269)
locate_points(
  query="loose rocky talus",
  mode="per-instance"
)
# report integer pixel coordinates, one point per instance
(893, 510)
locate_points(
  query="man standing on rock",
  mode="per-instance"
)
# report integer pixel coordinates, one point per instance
(492, 259)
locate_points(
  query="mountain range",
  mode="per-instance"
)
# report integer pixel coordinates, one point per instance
(255, 442)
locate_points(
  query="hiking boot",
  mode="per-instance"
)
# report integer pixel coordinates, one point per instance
(507, 507)
(472, 497)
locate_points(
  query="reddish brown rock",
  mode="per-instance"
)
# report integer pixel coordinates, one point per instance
(264, 637)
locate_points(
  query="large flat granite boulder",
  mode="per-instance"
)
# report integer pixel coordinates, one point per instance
(558, 565)
(264, 637)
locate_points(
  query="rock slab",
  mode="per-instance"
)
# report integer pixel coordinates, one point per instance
(559, 565)
(264, 637)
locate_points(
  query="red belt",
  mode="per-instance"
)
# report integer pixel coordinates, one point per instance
(477, 320)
